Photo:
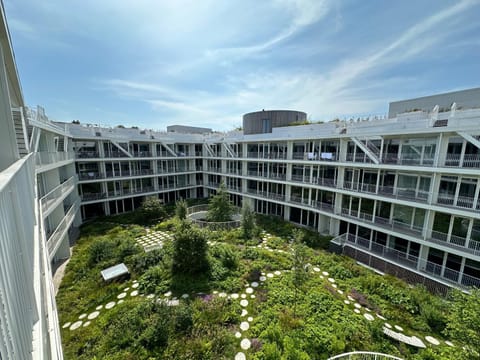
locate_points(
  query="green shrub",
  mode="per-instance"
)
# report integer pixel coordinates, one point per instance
(100, 250)
(190, 251)
(144, 260)
(155, 280)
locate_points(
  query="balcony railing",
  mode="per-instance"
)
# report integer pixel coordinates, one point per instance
(44, 158)
(469, 160)
(358, 157)
(57, 194)
(456, 242)
(266, 194)
(267, 155)
(407, 159)
(451, 276)
(383, 222)
(461, 201)
(55, 239)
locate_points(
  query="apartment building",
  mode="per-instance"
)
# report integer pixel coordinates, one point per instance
(400, 194)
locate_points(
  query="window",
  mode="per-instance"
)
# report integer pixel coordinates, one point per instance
(267, 126)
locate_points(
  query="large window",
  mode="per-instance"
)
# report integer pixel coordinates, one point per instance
(266, 126)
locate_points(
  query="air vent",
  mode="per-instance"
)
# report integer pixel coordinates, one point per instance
(440, 123)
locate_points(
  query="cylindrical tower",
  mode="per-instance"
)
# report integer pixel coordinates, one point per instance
(261, 122)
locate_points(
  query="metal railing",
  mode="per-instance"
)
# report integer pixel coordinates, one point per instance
(413, 262)
(406, 159)
(55, 239)
(201, 210)
(44, 158)
(57, 194)
(460, 201)
(469, 160)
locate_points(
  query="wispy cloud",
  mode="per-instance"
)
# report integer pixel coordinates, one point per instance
(302, 14)
(207, 63)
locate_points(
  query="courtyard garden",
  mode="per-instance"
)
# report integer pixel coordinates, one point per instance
(265, 290)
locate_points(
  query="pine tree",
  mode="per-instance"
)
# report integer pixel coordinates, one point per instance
(220, 209)
(181, 209)
(248, 222)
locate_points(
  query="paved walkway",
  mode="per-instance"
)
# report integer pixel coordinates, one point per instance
(58, 273)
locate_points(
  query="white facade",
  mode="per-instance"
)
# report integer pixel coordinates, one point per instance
(401, 194)
(38, 212)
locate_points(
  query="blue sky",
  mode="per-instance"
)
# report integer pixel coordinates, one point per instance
(205, 63)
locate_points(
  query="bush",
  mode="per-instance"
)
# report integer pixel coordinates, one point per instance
(100, 251)
(152, 209)
(144, 260)
(190, 250)
(155, 280)
(227, 255)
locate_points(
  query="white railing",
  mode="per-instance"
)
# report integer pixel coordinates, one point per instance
(417, 264)
(363, 355)
(17, 259)
(57, 194)
(55, 239)
(197, 213)
(44, 158)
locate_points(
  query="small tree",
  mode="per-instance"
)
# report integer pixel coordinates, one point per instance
(220, 208)
(300, 266)
(152, 209)
(181, 209)
(190, 250)
(248, 222)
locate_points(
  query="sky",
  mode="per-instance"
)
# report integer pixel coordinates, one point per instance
(154, 63)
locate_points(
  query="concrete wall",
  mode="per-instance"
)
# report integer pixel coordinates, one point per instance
(253, 123)
(465, 99)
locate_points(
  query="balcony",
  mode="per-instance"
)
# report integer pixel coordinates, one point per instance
(49, 160)
(265, 175)
(56, 196)
(407, 159)
(456, 242)
(461, 201)
(266, 194)
(314, 204)
(55, 239)
(452, 241)
(87, 154)
(87, 197)
(469, 160)
(451, 276)
(267, 155)
(388, 191)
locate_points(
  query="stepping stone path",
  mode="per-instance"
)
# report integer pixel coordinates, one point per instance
(153, 239)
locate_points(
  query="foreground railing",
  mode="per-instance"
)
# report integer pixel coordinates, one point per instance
(363, 355)
(17, 260)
